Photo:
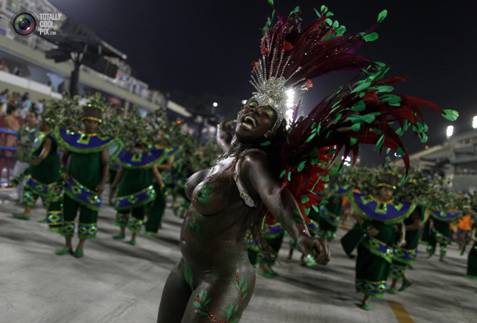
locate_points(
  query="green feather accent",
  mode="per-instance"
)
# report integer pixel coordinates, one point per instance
(266, 143)
(421, 127)
(368, 118)
(382, 15)
(392, 100)
(450, 114)
(384, 89)
(289, 176)
(315, 208)
(283, 173)
(317, 128)
(371, 37)
(335, 105)
(380, 142)
(359, 106)
(305, 199)
(356, 127)
(423, 138)
(271, 2)
(405, 125)
(361, 86)
(338, 117)
(323, 9)
(311, 137)
(307, 211)
(341, 30)
(301, 166)
(353, 141)
(296, 10)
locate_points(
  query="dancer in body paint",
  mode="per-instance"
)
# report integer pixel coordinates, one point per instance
(278, 166)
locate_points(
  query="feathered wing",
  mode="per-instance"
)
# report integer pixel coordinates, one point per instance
(298, 55)
(367, 111)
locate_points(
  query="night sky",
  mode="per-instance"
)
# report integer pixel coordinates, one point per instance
(200, 51)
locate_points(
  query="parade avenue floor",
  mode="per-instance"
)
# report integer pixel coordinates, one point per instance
(119, 283)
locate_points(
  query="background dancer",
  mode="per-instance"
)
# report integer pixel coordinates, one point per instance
(382, 226)
(86, 174)
(26, 136)
(43, 179)
(138, 161)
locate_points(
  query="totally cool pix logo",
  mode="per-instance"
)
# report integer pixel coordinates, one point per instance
(25, 23)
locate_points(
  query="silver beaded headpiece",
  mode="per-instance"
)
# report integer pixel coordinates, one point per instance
(271, 86)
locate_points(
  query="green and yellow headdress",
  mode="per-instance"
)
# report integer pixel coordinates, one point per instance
(94, 109)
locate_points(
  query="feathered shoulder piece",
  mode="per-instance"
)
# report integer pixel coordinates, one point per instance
(143, 139)
(370, 208)
(82, 143)
(144, 159)
(447, 205)
(67, 116)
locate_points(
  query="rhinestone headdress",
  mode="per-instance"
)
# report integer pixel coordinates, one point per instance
(290, 58)
(271, 85)
(274, 73)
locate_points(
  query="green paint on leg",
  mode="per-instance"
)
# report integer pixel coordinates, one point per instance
(188, 276)
(201, 300)
(230, 311)
(242, 285)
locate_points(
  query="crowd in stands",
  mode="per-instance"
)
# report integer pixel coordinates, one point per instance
(17, 111)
